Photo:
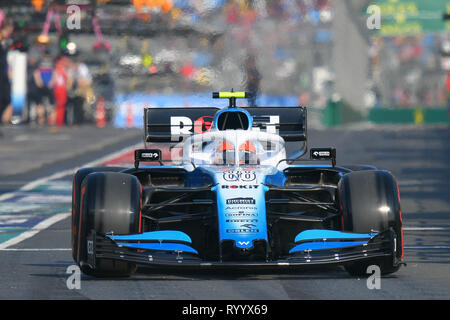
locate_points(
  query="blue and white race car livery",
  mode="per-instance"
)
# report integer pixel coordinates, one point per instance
(234, 187)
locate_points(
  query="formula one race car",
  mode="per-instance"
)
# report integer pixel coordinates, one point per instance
(228, 187)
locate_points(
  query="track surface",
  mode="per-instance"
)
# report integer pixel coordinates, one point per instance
(35, 268)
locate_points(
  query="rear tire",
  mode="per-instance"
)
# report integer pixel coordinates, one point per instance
(362, 194)
(110, 202)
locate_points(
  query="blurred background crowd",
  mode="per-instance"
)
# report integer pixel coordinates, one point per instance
(77, 61)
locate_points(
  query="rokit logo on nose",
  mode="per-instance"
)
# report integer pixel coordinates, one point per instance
(243, 186)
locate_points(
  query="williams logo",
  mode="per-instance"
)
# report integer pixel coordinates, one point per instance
(241, 201)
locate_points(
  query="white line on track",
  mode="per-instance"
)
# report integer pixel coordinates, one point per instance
(63, 173)
(37, 228)
(426, 247)
(426, 228)
(55, 218)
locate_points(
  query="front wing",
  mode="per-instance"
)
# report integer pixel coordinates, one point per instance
(177, 252)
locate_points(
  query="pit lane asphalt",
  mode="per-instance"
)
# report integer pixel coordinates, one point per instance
(30, 152)
(417, 156)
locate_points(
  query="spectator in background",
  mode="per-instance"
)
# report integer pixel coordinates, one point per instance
(6, 30)
(253, 78)
(43, 76)
(232, 12)
(60, 83)
(80, 90)
(33, 96)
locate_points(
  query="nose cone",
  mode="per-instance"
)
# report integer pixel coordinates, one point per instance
(241, 211)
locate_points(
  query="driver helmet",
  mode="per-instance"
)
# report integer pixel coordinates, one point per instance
(224, 153)
(247, 153)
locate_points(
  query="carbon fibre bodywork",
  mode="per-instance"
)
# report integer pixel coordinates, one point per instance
(197, 233)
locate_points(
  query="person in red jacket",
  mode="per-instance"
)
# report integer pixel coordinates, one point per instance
(60, 84)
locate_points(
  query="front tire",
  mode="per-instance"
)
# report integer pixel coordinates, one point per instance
(110, 203)
(76, 196)
(370, 201)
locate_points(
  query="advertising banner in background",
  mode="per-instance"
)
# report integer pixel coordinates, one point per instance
(18, 63)
(401, 17)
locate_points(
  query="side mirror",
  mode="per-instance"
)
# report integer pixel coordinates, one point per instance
(146, 155)
(323, 154)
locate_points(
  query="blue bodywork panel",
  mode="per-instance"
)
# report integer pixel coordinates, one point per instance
(319, 239)
(320, 234)
(241, 206)
(163, 246)
(165, 241)
(163, 235)
(325, 245)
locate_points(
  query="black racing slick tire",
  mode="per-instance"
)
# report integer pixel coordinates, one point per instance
(370, 202)
(110, 203)
(78, 178)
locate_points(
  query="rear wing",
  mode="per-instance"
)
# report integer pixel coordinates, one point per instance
(174, 125)
(288, 122)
